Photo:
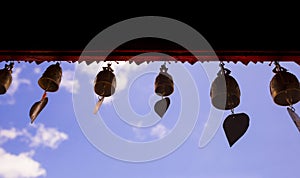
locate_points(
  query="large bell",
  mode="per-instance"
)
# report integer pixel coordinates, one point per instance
(225, 92)
(5, 78)
(284, 88)
(164, 85)
(51, 78)
(105, 83)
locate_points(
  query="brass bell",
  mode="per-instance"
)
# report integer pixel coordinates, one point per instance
(164, 85)
(51, 78)
(284, 87)
(225, 92)
(5, 78)
(105, 83)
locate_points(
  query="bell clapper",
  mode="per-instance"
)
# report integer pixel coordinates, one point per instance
(98, 104)
(37, 107)
(295, 117)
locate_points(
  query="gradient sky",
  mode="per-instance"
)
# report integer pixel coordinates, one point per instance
(55, 146)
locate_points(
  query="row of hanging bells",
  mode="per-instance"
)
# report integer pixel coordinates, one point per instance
(285, 91)
(105, 86)
(225, 95)
(49, 82)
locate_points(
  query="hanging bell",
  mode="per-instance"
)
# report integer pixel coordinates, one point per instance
(51, 78)
(105, 83)
(284, 87)
(225, 92)
(5, 78)
(164, 85)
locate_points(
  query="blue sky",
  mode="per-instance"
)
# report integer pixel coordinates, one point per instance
(56, 146)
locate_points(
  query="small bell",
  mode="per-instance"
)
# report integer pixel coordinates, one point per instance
(285, 91)
(225, 95)
(5, 78)
(49, 82)
(51, 78)
(105, 85)
(164, 86)
(225, 92)
(284, 87)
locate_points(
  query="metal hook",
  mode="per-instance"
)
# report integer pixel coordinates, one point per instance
(163, 68)
(278, 67)
(232, 111)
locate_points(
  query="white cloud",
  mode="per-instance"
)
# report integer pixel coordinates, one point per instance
(90, 70)
(68, 82)
(159, 131)
(16, 81)
(138, 132)
(10, 134)
(8, 98)
(37, 70)
(19, 166)
(23, 165)
(48, 137)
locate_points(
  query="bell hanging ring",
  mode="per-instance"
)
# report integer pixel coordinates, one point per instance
(105, 83)
(5, 78)
(164, 85)
(284, 88)
(51, 78)
(225, 92)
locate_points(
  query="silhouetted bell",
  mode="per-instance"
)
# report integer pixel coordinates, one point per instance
(164, 85)
(285, 91)
(5, 78)
(105, 85)
(51, 78)
(225, 92)
(49, 82)
(284, 88)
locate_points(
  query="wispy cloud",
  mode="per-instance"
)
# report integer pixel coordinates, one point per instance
(142, 134)
(159, 131)
(8, 98)
(10, 134)
(19, 165)
(37, 70)
(17, 81)
(48, 137)
(139, 133)
(68, 82)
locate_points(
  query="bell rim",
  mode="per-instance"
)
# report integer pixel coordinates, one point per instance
(54, 82)
(276, 96)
